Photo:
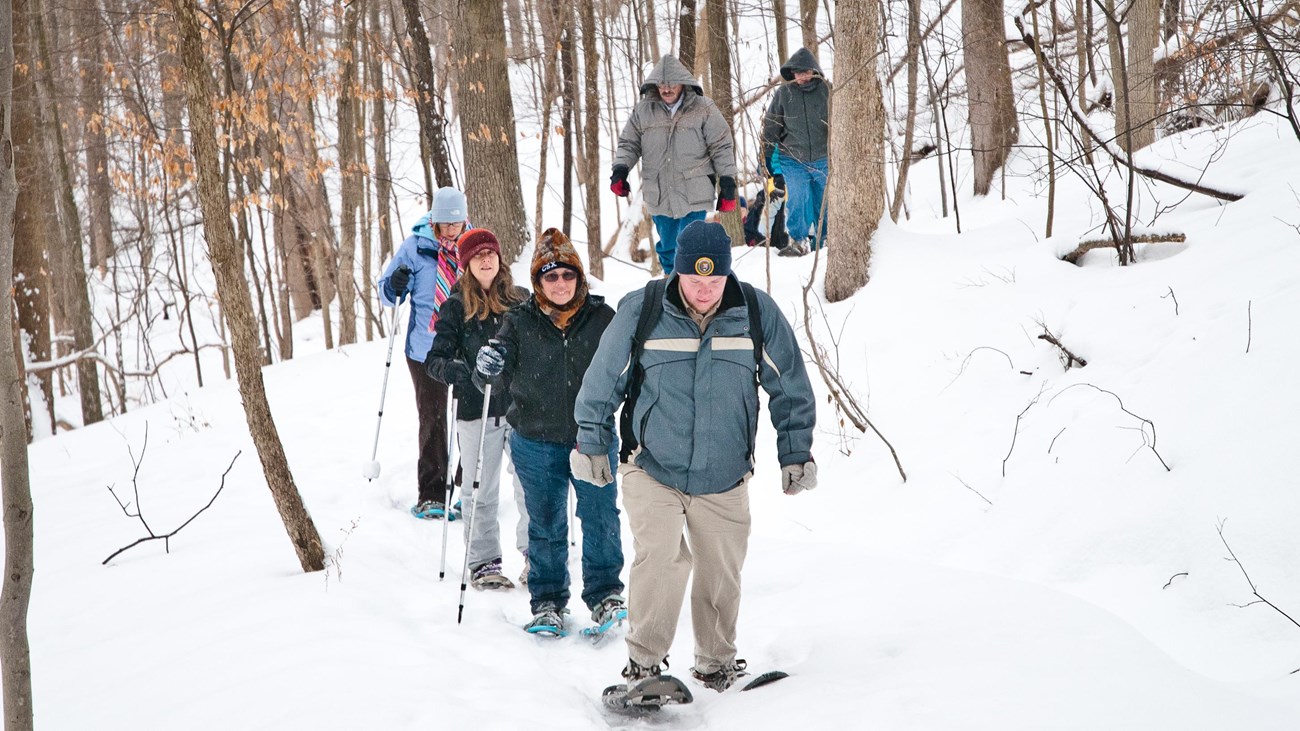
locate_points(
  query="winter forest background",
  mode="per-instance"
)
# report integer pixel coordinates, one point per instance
(1058, 229)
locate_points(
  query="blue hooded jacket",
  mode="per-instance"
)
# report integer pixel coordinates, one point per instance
(419, 252)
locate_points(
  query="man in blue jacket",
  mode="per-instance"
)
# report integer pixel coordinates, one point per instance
(695, 420)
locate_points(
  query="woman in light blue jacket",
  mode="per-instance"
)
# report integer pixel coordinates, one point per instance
(426, 267)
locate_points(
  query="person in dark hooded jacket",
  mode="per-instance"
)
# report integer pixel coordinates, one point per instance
(686, 153)
(540, 357)
(795, 149)
(467, 320)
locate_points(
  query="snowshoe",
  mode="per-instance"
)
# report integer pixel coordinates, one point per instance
(646, 695)
(430, 510)
(548, 621)
(611, 612)
(767, 678)
(722, 678)
(489, 576)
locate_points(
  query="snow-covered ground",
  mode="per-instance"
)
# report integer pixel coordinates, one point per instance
(1066, 582)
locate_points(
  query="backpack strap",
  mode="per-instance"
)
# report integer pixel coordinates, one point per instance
(652, 307)
(755, 327)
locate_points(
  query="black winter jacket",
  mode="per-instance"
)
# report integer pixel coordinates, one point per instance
(545, 366)
(797, 122)
(455, 339)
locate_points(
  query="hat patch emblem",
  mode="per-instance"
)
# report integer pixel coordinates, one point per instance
(704, 266)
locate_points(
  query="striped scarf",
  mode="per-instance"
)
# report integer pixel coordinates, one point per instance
(448, 270)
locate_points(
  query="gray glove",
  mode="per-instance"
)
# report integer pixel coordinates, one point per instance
(593, 468)
(795, 478)
(489, 361)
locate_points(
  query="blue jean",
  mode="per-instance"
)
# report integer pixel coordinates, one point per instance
(669, 229)
(805, 186)
(543, 468)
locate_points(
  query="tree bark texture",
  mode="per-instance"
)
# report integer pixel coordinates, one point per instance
(379, 130)
(15, 597)
(72, 289)
(233, 291)
(686, 34)
(782, 44)
(487, 123)
(591, 137)
(808, 22)
(720, 61)
(1135, 101)
(312, 237)
(99, 188)
(350, 139)
(991, 106)
(857, 159)
(909, 128)
(431, 122)
(31, 281)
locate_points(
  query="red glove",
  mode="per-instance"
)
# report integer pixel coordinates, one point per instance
(727, 194)
(618, 181)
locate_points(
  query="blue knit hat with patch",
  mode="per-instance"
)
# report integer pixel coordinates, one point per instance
(704, 249)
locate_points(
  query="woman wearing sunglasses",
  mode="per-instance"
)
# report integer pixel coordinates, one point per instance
(540, 356)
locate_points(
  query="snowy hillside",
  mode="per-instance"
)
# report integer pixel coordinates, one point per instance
(1055, 577)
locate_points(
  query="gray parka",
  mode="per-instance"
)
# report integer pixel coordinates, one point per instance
(681, 154)
(697, 414)
(797, 122)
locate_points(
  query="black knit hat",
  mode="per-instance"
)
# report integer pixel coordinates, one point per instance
(704, 249)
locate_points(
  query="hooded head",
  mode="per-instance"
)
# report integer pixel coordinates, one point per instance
(555, 254)
(669, 70)
(801, 60)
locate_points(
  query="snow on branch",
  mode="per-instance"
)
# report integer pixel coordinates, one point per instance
(1115, 152)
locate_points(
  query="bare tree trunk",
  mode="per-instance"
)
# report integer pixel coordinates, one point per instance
(232, 289)
(1135, 107)
(31, 283)
(808, 21)
(98, 186)
(379, 128)
(1047, 131)
(909, 131)
(431, 123)
(720, 61)
(651, 25)
(514, 20)
(568, 96)
(686, 34)
(782, 43)
(70, 272)
(992, 110)
(487, 117)
(700, 66)
(350, 135)
(551, 28)
(15, 484)
(591, 136)
(856, 149)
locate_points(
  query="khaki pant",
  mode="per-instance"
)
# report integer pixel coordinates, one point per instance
(714, 544)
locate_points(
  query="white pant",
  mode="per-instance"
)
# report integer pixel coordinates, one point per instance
(485, 543)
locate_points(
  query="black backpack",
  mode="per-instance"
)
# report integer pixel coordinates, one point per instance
(652, 307)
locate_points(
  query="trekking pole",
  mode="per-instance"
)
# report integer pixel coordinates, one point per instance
(451, 477)
(473, 499)
(573, 515)
(370, 470)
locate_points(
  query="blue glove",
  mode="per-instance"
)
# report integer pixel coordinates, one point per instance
(491, 360)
